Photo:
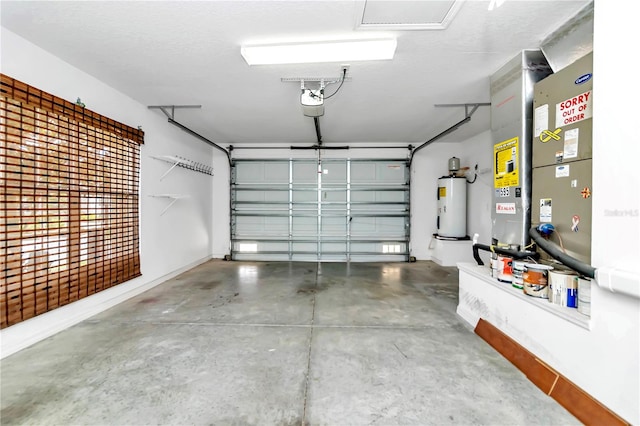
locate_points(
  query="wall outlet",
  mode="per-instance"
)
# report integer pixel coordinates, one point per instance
(344, 69)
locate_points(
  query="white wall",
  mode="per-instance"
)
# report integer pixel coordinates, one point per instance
(604, 360)
(221, 232)
(616, 211)
(169, 243)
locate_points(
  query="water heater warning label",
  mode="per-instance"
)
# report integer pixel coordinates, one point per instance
(505, 167)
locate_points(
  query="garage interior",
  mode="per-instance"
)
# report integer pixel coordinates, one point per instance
(271, 242)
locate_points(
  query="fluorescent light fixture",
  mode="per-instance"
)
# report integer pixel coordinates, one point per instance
(323, 51)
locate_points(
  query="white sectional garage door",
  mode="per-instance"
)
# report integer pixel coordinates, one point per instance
(327, 210)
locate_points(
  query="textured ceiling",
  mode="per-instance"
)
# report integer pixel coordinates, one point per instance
(188, 52)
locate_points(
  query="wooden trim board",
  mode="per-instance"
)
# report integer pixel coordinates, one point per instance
(579, 403)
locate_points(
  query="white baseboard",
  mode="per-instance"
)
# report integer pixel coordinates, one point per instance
(33, 330)
(468, 316)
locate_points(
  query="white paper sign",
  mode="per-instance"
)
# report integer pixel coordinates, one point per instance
(570, 144)
(541, 120)
(545, 210)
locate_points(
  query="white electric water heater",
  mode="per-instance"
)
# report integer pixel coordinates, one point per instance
(452, 206)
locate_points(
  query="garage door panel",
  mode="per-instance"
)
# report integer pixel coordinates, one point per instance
(304, 172)
(387, 172)
(337, 210)
(251, 225)
(363, 172)
(305, 226)
(262, 196)
(334, 196)
(334, 173)
(334, 226)
(303, 196)
(383, 227)
(262, 172)
(361, 196)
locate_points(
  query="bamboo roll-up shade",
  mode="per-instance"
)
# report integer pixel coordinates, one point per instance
(68, 202)
(28, 95)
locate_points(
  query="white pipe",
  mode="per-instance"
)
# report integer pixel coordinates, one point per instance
(618, 281)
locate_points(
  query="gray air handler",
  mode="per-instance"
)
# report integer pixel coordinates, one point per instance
(562, 156)
(512, 88)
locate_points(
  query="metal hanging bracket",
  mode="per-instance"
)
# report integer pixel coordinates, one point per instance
(172, 108)
(467, 113)
(318, 80)
(466, 119)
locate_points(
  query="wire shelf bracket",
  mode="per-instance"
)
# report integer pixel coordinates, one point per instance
(177, 161)
(172, 197)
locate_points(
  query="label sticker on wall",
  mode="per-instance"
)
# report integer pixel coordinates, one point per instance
(545, 210)
(548, 135)
(502, 192)
(562, 171)
(575, 220)
(506, 208)
(505, 167)
(571, 143)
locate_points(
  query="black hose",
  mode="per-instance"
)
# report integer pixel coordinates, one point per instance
(513, 253)
(556, 252)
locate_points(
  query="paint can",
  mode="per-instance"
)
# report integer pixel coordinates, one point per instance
(584, 296)
(494, 266)
(535, 280)
(505, 269)
(517, 271)
(563, 288)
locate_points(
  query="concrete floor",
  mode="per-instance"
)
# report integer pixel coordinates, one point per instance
(251, 343)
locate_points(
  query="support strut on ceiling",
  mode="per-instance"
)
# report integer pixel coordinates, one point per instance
(166, 108)
(469, 109)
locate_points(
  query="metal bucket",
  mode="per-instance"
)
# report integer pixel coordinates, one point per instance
(535, 280)
(584, 296)
(518, 269)
(563, 288)
(505, 269)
